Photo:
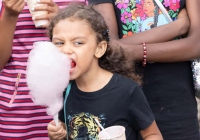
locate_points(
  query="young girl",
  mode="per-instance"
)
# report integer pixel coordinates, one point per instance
(97, 90)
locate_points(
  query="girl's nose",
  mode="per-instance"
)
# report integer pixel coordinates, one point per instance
(66, 50)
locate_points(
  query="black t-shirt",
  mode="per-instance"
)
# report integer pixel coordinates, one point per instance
(168, 87)
(120, 102)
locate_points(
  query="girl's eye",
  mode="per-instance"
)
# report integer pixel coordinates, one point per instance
(58, 43)
(78, 43)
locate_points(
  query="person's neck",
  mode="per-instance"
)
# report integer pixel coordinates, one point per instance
(94, 81)
(151, 14)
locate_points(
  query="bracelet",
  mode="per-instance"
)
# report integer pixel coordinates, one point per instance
(145, 54)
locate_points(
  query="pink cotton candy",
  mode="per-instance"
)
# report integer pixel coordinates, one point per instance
(48, 76)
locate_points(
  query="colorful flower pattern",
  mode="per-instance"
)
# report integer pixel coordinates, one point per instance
(135, 13)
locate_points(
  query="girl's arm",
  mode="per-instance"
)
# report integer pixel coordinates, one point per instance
(8, 22)
(159, 34)
(151, 133)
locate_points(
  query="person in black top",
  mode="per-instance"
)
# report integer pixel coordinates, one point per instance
(100, 89)
(167, 75)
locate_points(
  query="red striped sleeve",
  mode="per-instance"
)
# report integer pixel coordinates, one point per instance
(1, 8)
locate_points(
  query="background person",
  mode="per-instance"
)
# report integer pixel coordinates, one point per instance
(20, 118)
(167, 83)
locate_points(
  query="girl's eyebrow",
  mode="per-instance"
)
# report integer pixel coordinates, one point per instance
(74, 38)
(78, 37)
(56, 38)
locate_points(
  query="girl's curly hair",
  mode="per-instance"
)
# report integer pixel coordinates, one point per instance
(114, 59)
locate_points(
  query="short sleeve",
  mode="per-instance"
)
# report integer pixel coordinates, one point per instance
(61, 112)
(0, 4)
(61, 115)
(140, 114)
(1, 8)
(93, 2)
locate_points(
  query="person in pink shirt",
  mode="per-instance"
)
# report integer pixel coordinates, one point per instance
(20, 118)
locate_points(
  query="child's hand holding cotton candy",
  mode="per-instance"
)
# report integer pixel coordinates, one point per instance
(48, 76)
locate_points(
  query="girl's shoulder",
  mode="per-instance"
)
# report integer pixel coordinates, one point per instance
(124, 82)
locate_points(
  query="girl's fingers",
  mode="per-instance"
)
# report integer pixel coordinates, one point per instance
(54, 128)
(62, 133)
(53, 122)
(54, 135)
(56, 132)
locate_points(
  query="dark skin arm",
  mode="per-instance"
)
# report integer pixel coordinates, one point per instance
(177, 50)
(171, 31)
(107, 11)
(161, 33)
(7, 25)
(171, 51)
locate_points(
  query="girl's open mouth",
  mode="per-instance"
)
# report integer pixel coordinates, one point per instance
(73, 65)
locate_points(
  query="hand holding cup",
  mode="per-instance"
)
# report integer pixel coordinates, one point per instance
(42, 11)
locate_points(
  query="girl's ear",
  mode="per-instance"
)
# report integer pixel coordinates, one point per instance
(101, 49)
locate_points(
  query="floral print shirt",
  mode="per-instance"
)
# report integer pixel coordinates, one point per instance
(139, 15)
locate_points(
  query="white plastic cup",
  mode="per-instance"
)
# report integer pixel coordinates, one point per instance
(115, 132)
(31, 5)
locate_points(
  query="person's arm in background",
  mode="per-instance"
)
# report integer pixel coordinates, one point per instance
(8, 22)
(107, 11)
(170, 31)
(162, 33)
(171, 51)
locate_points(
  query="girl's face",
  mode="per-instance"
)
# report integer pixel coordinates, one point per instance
(76, 39)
